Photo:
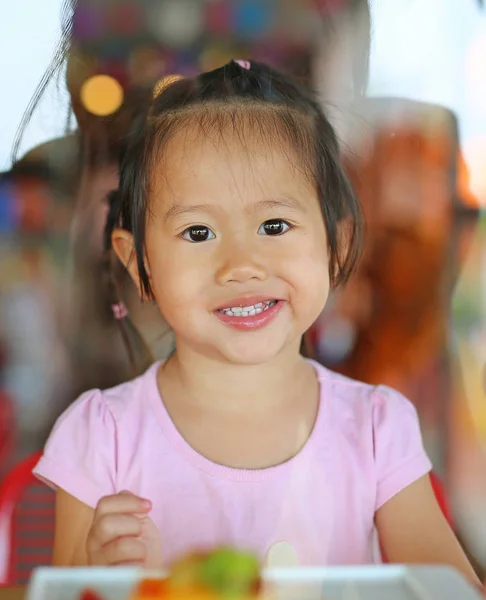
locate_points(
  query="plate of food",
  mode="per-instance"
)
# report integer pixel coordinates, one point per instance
(232, 575)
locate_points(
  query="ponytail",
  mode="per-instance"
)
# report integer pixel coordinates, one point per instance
(139, 353)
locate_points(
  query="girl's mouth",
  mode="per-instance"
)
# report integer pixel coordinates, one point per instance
(250, 317)
(248, 311)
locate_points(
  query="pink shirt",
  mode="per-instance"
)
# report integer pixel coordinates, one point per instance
(365, 448)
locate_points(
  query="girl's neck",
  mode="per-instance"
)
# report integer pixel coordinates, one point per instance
(205, 381)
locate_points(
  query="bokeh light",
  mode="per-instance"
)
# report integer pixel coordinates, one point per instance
(218, 17)
(101, 95)
(177, 23)
(253, 18)
(164, 83)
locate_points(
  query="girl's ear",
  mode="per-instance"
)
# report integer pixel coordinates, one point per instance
(122, 244)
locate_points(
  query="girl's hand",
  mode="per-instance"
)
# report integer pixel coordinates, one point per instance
(123, 534)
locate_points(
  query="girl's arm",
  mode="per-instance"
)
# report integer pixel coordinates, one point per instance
(412, 529)
(118, 532)
(73, 523)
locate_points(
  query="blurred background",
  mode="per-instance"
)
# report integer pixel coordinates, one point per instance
(403, 82)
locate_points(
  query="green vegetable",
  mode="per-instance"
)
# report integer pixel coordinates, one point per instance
(231, 573)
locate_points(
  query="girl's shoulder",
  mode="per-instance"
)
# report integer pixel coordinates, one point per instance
(347, 394)
(85, 448)
(378, 409)
(119, 403)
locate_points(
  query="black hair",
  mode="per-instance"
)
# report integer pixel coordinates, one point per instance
(53, 72)
(233, 95)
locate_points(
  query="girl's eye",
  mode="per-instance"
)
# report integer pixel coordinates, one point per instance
(274, 227)
(198, 233)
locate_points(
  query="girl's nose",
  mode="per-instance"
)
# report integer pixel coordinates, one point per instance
(240, 265)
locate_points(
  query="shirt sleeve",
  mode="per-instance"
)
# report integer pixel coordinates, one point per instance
(400, 458)
(80, 454)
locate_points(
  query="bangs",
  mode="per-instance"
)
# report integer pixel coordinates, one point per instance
(248, 124)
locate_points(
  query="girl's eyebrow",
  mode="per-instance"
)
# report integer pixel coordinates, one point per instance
(178, 210)
(279, 202)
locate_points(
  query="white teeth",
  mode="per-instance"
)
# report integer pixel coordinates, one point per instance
(248, 311)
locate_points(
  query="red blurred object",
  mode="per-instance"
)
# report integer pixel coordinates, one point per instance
(442, 499)
(219, 17)
(125, 19)
(90, 595)
(27, 515)
(34, 202)
(7, 430)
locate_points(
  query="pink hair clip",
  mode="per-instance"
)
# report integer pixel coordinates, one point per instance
(244, 64)
(120, 311)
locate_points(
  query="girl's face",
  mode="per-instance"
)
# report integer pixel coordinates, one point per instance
(235, 224)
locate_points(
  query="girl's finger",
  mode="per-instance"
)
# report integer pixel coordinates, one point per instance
(121, 551)
(124, 502)
(109, 527)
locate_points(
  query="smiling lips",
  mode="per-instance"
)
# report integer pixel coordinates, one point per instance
(249, 310)
(249, 314)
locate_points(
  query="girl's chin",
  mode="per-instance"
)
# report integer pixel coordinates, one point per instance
(252, 354)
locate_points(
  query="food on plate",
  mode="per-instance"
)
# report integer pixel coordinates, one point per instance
(222, 574)
(89, 594)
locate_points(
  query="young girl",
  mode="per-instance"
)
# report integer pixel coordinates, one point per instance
(234, 215)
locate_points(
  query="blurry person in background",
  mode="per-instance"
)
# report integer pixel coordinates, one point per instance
(32, 224)
(407, 178)
(391, 322)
